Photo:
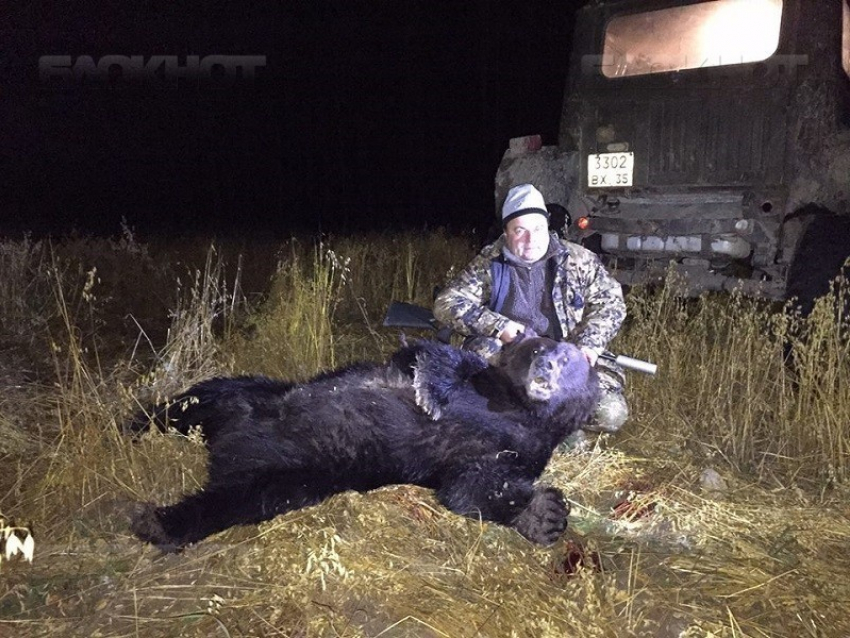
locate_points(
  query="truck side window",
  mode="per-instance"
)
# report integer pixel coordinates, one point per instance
(706, 34)
(845, 39)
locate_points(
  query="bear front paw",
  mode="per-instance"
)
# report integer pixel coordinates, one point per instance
(544, 520)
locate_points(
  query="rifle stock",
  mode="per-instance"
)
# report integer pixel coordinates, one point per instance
(408, 315)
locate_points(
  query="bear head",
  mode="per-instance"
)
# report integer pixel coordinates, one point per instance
(543, 370)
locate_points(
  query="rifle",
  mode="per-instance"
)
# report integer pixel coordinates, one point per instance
(407, 315)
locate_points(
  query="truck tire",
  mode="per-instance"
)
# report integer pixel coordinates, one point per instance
(820, 255)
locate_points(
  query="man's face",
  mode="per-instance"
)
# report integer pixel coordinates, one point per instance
(527, 236)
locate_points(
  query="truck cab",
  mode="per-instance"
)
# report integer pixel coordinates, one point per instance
(711, 137)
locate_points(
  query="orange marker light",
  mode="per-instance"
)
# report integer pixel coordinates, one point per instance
(583, 223)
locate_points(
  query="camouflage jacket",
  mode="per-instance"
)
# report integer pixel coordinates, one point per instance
(588, 301)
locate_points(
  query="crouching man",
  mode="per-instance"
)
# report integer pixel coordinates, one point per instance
(530, 280)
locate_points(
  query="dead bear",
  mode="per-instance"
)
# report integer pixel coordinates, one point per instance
(436, 416)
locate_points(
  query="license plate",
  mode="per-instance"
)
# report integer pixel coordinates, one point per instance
(610, 170)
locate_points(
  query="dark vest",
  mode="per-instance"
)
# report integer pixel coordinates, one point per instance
(501, 282)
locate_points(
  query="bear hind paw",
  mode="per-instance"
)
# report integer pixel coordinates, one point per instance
(147, 526)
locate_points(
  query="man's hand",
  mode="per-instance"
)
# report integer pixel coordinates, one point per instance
(511, 331)
(591, 354)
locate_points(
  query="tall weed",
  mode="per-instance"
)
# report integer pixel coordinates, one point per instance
(727, 388)
(89, 457)
(328, 299)
(818, 418)
(293, 335)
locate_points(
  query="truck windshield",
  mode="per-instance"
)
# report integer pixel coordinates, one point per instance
(716, 33)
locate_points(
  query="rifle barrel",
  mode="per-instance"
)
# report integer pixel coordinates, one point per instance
(631, 363)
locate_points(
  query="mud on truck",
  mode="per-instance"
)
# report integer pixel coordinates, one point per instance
(711, 134)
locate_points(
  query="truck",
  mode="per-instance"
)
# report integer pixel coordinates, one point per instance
(711, 138)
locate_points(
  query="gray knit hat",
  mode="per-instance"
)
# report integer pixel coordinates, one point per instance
(523, 199)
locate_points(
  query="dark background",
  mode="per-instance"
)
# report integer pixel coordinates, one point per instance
(368, 115)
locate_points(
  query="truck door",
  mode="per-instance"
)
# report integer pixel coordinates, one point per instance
(690, 96)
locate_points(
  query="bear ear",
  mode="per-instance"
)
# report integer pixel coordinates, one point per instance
(520, 337)
(528, 333)
(439, 372)
(428, 385)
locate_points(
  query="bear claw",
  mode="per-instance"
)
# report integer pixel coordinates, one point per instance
(544, 520)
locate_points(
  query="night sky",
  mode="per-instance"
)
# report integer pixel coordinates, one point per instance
(367, 115)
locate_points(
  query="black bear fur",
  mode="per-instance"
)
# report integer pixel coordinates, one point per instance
(436, 416)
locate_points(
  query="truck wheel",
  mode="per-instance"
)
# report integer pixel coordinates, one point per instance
(818, 259)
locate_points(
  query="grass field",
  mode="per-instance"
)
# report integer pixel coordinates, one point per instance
(720, 510)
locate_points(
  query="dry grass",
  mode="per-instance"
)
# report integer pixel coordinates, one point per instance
(729, 389)
(720, 511)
